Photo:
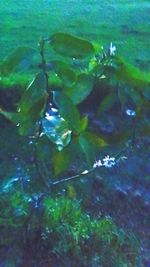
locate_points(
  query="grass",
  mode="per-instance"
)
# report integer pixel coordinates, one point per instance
(125, 23)
(62, 229)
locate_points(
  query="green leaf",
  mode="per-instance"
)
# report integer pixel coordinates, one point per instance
(71, 46)
(30, 107)
(61, 161)
(57, 130)
(84, 124)
(32, 103)
(25, 120)
(21, 57)
(87, 149)
(107, 102)
(96, 140)
(92, 64)
(130, 74)
(91, 144)
(35, 91)
(28, 119)
(67, 110)
(81, 89)
(54, 80)
(14, 117)
(67, 75)
(95, 67)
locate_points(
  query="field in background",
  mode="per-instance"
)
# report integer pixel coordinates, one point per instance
(125, 23)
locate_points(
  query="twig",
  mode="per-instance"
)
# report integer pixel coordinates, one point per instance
(43, 65)
(86, 172)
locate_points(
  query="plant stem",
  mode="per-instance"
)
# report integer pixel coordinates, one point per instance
(86, 172)
(74, 177)
(43, 65)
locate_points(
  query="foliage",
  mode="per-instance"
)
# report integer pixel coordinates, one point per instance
(54, 111)
(103, 68)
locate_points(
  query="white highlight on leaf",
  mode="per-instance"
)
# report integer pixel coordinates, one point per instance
(54, 109)
(48, 116)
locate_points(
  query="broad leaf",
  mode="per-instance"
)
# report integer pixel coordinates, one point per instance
(61, 161)
(67, 110)
(95, 67)
(20, 58)
(81, 89)
(14, 117)
(87, 149)
(91, 144)
(71, 46)
(83, 124)
(57, 130)
(28, 119)
(35, 91)
(67, 75)
(130, 74)
(32, 103)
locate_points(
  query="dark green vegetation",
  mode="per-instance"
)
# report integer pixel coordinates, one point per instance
(63, 117)
(56, 209)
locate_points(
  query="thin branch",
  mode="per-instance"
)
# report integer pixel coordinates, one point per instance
(43, 65)
(86, 172)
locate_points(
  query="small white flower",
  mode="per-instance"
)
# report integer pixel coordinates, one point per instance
(130, 112)
(112, 49)
(97, 164)
(109, 162)
(107, 158)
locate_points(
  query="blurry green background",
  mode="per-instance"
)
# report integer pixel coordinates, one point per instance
(125, 23)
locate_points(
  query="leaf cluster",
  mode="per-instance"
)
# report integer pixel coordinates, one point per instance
(54, 109)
